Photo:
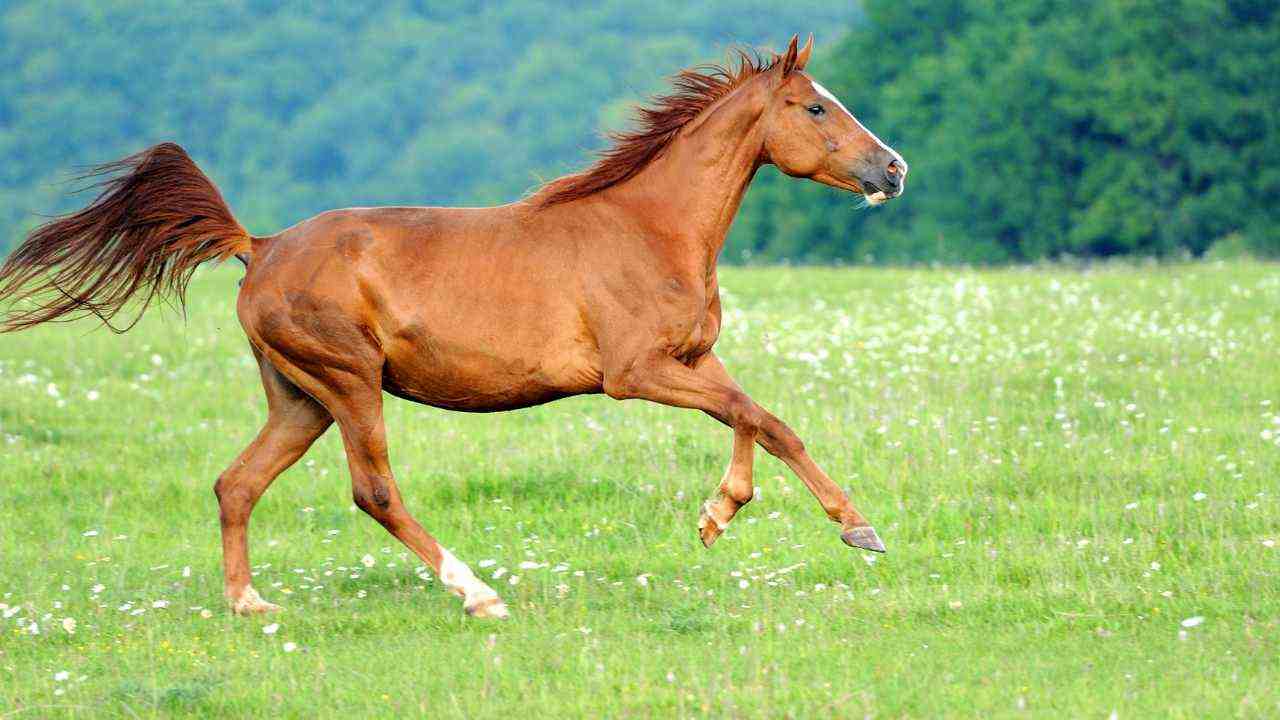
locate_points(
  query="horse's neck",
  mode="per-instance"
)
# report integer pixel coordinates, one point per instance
(692, 192)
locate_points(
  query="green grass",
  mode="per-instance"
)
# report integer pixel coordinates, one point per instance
(1030, 443)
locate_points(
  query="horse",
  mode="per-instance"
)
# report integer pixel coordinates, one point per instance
(603, 281)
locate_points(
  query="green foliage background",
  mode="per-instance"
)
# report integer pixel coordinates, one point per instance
(1035, 129)
(297, 107)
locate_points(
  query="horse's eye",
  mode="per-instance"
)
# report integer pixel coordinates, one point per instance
(816, 110)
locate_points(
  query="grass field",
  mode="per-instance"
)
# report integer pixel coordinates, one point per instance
(1075, 474)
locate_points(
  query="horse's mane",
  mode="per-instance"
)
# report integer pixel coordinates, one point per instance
(656, 125)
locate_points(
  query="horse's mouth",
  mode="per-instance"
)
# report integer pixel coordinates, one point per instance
(873, 194)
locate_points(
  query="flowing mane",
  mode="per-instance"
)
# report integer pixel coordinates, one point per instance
(656, 125)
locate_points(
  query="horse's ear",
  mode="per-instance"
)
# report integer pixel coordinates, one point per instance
(789, 57)
(802, 58)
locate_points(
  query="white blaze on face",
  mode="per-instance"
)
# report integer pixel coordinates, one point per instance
(874, 198)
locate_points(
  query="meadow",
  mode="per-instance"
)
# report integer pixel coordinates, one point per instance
(1074, 471)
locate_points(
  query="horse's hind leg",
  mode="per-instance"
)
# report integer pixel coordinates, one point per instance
(353, 397)
(374, 489)
(294, 421)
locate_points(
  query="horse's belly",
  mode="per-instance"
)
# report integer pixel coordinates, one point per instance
(487, 378)
(451, 397)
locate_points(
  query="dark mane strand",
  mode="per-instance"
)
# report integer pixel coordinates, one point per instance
(656, 125)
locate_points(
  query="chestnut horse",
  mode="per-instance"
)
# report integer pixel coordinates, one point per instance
(603, 281)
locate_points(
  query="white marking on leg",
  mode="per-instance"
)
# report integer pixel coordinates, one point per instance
(249, 601)
(477, 598)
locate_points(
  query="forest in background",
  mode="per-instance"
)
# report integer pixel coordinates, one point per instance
(1039, 129)
(1034, 129)
(297, 107)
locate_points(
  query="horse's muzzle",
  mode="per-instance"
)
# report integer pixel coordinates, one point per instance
(888, 181)
(895, 177)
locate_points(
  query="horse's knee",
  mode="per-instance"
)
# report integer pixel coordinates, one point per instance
(228, 488)
(234, 502)
(221, 486)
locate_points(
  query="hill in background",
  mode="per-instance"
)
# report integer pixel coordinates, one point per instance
(298, 107)
(1034, 129)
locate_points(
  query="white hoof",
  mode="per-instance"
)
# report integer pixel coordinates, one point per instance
(491, 607)
(478, 599)
(249, 602)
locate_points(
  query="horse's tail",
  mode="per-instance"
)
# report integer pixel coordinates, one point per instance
(158, 217)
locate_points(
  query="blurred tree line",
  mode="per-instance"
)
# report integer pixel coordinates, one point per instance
(1034, 128)
(295, 107)
(1038, 129)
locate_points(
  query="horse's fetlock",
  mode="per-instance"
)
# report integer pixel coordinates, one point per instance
(740, 495)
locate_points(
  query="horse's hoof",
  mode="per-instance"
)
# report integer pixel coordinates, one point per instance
(491, 607)
(709, 529)
(258, 608)
(249, 602)
(863, 537)
(708, 532)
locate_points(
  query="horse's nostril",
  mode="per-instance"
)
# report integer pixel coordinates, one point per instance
(893, 173)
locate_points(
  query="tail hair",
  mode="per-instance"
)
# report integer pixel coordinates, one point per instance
(158, 217)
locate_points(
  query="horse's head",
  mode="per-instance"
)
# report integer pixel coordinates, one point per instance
(810, 134)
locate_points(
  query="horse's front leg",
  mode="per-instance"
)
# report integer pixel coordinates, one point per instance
(665, 380)
(782, 442)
